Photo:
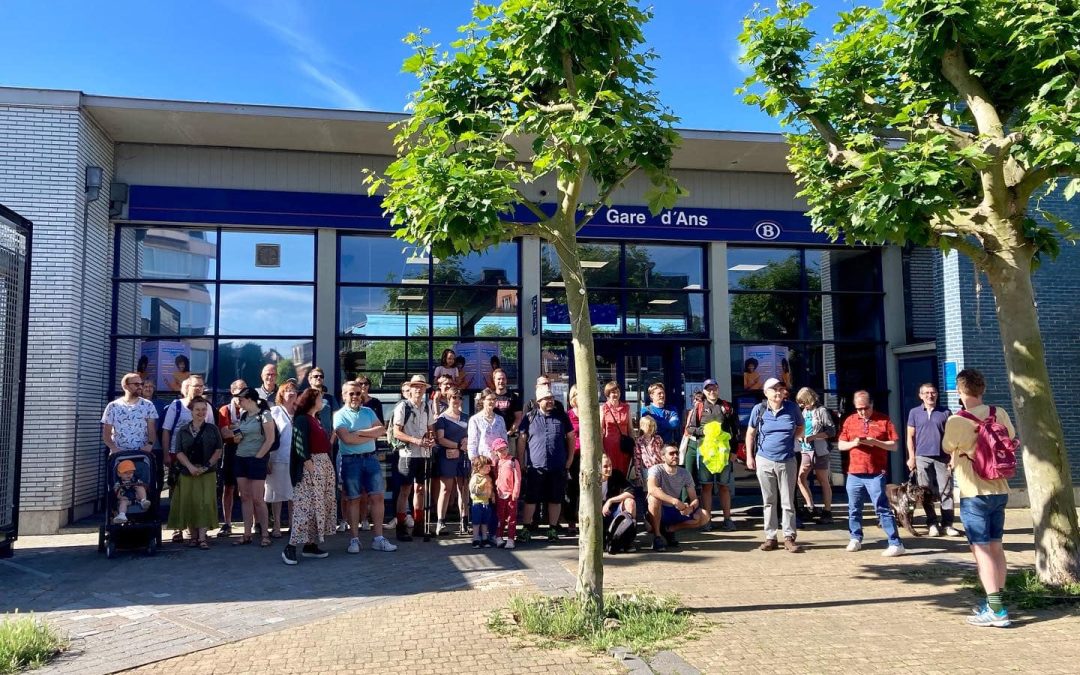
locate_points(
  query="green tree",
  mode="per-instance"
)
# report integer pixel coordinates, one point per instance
(936, 122)
(534, 93)
(286, 369)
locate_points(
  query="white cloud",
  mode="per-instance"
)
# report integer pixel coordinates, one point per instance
(332, 88)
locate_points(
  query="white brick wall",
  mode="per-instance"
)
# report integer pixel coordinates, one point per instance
(43, 153)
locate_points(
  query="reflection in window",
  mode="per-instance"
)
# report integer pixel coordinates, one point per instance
(481, 358)
(156, 308)
(167, 362)
(495, 266)
(267, 256)
(472, 310)
(399, 311)
(599, 264)
(766, 316)
(604, 312)
(664, 267)
(768, 269)
(167, 253)
(666, 313)
(387, 362)
(266, 310)
(381, 260)
(244, 360)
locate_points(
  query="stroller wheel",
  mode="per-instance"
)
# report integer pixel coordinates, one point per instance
(110, 549)
(151, 547)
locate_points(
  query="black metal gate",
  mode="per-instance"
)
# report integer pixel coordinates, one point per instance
(15, 239)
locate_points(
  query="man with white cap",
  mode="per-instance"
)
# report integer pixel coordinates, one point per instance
(544, 438)
(413, 420)
(771, 441)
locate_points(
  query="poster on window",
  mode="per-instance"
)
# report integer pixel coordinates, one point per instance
(760, 362)
(480, 359)
(167, 362)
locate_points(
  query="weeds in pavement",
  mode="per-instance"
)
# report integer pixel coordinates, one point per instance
(639, 622)
(26, 642)
(1024, 590)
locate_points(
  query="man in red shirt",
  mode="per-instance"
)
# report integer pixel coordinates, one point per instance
(869, 436)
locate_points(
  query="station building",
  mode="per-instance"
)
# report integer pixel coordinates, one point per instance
(217, 238)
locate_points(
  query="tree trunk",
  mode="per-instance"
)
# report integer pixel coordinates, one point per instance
(1046, 464)
(590, 577)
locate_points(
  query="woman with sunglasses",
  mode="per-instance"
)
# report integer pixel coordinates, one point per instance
(451, 438)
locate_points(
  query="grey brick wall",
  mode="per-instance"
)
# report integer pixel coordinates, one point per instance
(968, 328)
(43, 152)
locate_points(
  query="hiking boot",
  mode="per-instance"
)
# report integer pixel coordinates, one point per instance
(658, 544)
(313, 551)
(790, 546)
(402, 533)
(288, 556)
(768, 545)
(382, 544)
(988, 617)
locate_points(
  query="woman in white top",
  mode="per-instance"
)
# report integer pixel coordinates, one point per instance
(484, 427)
(279, 488)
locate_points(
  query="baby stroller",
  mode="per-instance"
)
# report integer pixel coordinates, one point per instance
(143, 526)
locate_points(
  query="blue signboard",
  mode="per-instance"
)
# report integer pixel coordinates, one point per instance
(215, 206)
(599, 314)
(949, 375)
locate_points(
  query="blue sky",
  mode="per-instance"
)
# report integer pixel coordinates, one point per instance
(328, 54)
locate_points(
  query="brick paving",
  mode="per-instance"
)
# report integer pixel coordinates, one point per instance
(241, 610)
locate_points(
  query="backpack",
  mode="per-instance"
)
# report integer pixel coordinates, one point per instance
(621, 533)
(277, 435)
(395, 444)
(995, 449)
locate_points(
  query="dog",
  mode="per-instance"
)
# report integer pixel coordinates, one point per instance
(903, 499)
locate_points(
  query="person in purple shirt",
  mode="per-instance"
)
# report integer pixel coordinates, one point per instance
(925, 428)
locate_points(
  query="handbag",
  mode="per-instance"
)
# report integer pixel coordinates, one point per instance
(626, 443)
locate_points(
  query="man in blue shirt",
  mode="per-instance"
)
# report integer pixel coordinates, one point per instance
(356, 427)
(544, 438)
(776, 428)
(925, 429)
(667, 419)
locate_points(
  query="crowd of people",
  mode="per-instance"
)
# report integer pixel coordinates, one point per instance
(293, 444)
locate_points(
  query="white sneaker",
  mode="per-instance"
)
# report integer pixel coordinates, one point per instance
(392, 524)
(952, 531)
(354, 545)
(382, 544)
(509, 543)
(365, 525)
(342, 526)
(145, 504)
(499, 542)
(409, 522)
(894, 551)
(854, 545)
(440, 529)
(120, 518)
(933, 531)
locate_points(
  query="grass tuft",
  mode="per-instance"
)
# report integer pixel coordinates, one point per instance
(26, 643)
(1024, 590)
(639, 622)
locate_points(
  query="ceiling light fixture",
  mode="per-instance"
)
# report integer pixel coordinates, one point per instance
(692, 287)
(410, 297)
(746, 268)
(556, 284)
(593, 264)
(414, 281)
(661, 302)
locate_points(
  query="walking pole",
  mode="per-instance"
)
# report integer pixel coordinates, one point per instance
(427, 500)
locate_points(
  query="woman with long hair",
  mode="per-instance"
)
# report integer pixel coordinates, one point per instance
(312, 473)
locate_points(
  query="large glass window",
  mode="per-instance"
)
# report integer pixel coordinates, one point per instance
(248, 295)
(399, 308)
(655, 289)
(811, 317)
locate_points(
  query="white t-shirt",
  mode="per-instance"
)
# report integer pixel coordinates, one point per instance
(128, 422)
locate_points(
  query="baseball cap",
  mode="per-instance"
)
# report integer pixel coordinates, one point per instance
(125, 466)
(710, 383)
(773, 383)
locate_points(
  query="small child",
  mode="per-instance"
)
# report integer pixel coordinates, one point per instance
(480, 490)
(128, 489)
(507, 491)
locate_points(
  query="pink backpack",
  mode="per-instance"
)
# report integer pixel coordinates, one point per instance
(995, 449)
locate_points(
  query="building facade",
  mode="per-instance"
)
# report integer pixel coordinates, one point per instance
(227, 237)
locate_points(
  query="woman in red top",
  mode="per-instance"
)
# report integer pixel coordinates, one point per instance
(614, 424)
(313, 516)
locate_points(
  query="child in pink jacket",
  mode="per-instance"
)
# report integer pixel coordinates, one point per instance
(507, 491)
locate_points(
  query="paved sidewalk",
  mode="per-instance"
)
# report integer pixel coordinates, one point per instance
(240, 610)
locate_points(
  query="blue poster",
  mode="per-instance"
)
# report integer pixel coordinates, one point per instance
(949, 373)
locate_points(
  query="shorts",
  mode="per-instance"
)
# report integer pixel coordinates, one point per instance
(819, 462)
(983, 517)
(701, 474)
(416, 471)
(544, 486)
(228, 465)
(481, 514)
(251, 468)
(361, 474)
(669, 515)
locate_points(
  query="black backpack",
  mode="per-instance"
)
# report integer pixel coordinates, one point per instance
(621, 533)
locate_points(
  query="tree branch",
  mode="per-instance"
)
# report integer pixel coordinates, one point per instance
(568, 75)
(603, 197)
(838, 152)
(531, 205)
(955, 69)
(1036, 177)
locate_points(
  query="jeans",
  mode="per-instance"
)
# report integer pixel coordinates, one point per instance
(933, 473)
(860, 486)
(778, 485)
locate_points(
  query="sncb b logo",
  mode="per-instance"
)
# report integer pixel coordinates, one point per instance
(767, 230)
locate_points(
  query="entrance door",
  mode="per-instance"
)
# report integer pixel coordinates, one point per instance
(636, 365)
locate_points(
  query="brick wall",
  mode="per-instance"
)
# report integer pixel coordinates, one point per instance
(43, 153)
